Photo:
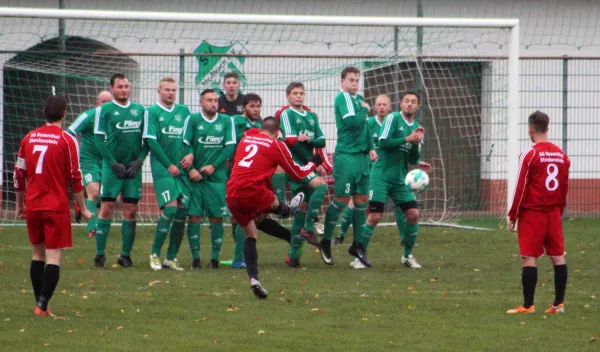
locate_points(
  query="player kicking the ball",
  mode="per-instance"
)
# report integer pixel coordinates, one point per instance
(48, 162)
(249, 190)
(169, 161)
(538, 204)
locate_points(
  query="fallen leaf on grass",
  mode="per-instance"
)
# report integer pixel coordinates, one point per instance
(443, 293)
(433, 280)
(365, 319)
(205, 318)
(80, 260)
(7, 319)
(119, 327)
(411, 307)
(22, 330)
(152, 283)
(316, 295)
(592, 339)
(23, 291)
(261, 332)
(115, 266)
(522, 323)
(122, 310)
(232, 309)
(475, 269)
(46, 344)
(317, 310)
(530, 338)
(64, 292)
(364, 295)
(71, 331)
(84, 297)
(593, 297)
(586, 306)
(80, 284)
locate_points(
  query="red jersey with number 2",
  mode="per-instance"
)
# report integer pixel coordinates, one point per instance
(542, 181)
(48, 162)
(256, 159)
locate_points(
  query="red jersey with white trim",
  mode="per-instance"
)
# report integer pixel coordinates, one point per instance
(48, 162)
(256, 159)
(542, 181)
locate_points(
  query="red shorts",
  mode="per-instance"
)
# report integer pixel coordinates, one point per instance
(244, 210)
(50, 228)
(541, 230)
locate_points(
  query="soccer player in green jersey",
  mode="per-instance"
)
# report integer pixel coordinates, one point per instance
(212, 137)
(400, 142)
(118, 137)
(169, 159)
(90, 157)
(354, 152)
(303, 134)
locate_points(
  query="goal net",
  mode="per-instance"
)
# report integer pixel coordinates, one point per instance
(461, 75)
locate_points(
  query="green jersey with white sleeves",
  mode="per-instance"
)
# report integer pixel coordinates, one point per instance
(351, 122)
(294, 123)
(84, 125)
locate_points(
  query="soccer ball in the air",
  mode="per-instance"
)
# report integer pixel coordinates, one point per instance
(417, 180)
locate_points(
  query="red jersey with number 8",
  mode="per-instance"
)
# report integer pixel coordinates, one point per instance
(542, 181)
(48, 162)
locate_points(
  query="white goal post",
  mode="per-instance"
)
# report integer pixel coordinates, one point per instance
(512, 25)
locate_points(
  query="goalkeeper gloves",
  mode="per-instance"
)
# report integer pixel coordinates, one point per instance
(119, 169)
(134, 167)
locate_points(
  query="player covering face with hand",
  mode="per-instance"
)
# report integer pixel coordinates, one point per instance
(249, 191)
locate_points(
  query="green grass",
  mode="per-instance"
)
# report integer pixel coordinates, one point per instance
(455, 303)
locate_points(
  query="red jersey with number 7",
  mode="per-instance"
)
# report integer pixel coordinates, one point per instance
(256, 159)
(48, 162)
(542, 181)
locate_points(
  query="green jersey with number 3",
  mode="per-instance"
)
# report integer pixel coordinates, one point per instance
(295, 123)
(122, 127)
(166, 127)
(392, 164)
(208, 139)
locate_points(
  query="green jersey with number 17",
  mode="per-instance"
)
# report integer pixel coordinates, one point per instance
(122, 127)
(166, 127)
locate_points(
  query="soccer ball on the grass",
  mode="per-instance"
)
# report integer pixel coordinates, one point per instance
(417, 180)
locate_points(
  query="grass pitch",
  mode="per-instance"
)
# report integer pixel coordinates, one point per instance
(455, 303)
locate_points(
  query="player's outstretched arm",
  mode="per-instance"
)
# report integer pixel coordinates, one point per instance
(521, 187)
(283, 158)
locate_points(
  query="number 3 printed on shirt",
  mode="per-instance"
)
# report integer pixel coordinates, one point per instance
(251, 149)
(551, 180)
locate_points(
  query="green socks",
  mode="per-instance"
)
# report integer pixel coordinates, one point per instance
(162, 228)
(175, 238)
(278, 182)
(368, 234)
(91, 205)
(359, 219)
(400, 222)
(410, 238)
(128, 233)
(193, 233)
(240, 238)
(297, 240)
(346, 222)
(102, 231)
(331, 218)
(216, 239)
(314, 205)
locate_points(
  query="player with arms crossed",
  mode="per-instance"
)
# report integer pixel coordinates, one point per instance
(169, 160)
(303, 134)
(354, 152)
(249, 191)
(91, 159)
(538, 203)
(400, 143)
(118, 136)
(212, 138)
(47, 163)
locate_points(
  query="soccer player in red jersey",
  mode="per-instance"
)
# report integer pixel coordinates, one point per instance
(538, 204)
(47, 164)
(249, 191)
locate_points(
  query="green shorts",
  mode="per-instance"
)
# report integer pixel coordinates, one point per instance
(302, 185)
(208, 199)
(91, 171)
(112, 186)
(168, 189)
(350, 174)
(379, 190)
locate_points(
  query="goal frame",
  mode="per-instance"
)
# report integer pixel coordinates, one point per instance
(509, 24)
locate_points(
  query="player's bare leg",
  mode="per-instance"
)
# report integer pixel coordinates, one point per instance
(529, 277)
(560, 284)
(193, 234)
(251, 255)
(45, 273)
(410, 238)
(92, 191)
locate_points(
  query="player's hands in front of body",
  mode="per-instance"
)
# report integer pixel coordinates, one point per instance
(187, 161)
(365, 105)
(20, 211)
(195, 175)
(303, 137)
(134, 167)
(87, 215)
(373, 155)
(416, 136)
(207, 170)
(425, 167)
(173, 170)
(119, 169)
(512, 225)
